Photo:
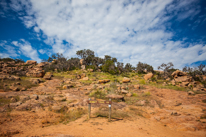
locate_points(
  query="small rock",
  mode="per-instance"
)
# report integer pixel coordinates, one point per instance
(34, 97)
(59, 98)
(14, 88)
(137, 86)
(56, 108)
(47, 77)
(23, 89)
(175, 114)
(13, 100)
(113, 96)
(141, 102)
(90, 70)
(129, 94)
(124, 91)
(17, 83)
(85, 78)
(67, 86)
(24, 98)
(191, 93)
(14, 105)
(125, 80)
(87, 93)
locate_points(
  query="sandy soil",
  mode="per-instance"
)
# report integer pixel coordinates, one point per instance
(28, 126)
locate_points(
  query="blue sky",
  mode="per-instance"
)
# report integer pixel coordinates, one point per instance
(150, 31)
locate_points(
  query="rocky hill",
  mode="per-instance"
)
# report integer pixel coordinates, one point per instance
(31, 98)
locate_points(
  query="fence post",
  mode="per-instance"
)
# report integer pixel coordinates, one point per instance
(109, 111)
(89, 109)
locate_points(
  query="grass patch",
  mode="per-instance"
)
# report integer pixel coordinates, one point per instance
(136, 111)
(86, 82)
(24, 83)
(142, 81)
(131, 100)
(72, 115)
(104, 112)
(159, 83)
(135, 95)
(98, 94)
(146, 94)
(4, 101)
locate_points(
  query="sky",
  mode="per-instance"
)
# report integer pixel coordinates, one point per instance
(149, 31)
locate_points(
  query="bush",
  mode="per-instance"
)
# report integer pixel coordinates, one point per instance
(98, 94)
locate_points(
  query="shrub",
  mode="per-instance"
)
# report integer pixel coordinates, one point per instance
(146, 94)
(142, 81)
(98, 94)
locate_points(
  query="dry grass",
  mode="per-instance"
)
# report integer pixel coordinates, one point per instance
(115, 114)
(24, 83)
(4, 101)
(72, 115)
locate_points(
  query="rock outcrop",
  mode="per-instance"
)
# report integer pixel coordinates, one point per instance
(148, 76)
(126, 80)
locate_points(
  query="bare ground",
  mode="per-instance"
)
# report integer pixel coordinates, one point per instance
(179, 116)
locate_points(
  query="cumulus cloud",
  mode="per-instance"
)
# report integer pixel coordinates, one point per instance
(42, 51)
(20, 47)
(10, 50)
(27, 50)
(131, 31)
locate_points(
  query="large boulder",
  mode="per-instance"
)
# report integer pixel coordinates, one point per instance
(148, 76)
(83, 67)
(126, 80)
(47, 77)
(82, 61)
(183, 79)
(114, 96)
(31, 62)
(178, 73)
(103, 81)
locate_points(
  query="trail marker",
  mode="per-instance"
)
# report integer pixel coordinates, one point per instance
(99, 102)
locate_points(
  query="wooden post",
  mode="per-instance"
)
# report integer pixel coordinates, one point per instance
(109, 111)
(89, 109)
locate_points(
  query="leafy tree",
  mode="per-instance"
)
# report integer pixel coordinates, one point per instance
(109, 65)
(166, 68)
(196, 72)
(142, 67)
(87, 55)
(120, 67)
(128, 67)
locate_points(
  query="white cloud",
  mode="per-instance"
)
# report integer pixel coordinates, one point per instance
(42, 51)
(20, 47)
(27, 50)
(131, 31)
(11, 51)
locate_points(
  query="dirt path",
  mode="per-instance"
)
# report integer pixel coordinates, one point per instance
(100, 127)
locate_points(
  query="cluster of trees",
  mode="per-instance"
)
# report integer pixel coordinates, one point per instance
(107, 64)
(10, 60)
(196, 72)
(111, 65)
